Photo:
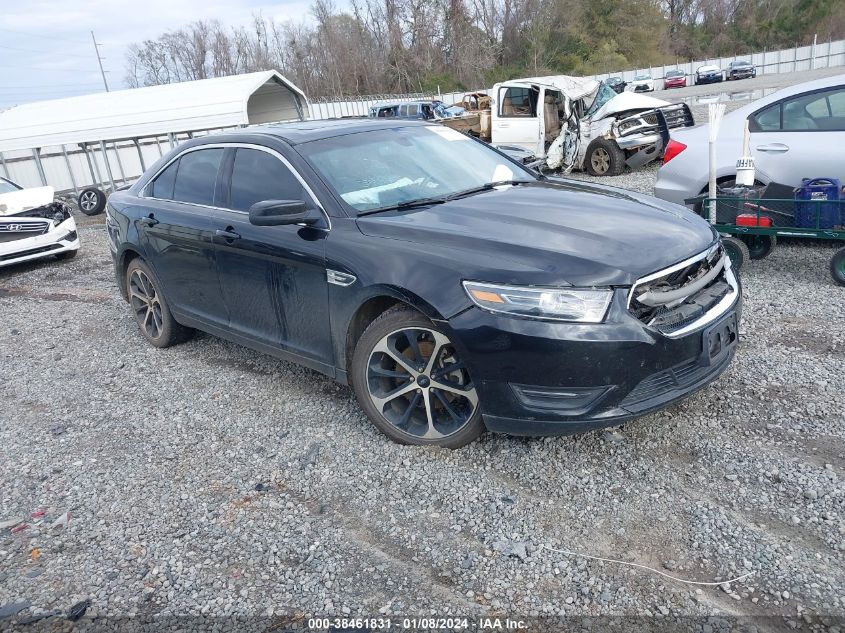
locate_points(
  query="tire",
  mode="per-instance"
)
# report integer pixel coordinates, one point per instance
(759, 246)
(67, 254)
(604, 158)
(736, 251)
(403, 351)
(91, 201)
(150, 307)
(837, 267)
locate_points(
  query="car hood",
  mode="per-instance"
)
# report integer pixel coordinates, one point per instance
(627, 102)
(555, 232)
(14, 202)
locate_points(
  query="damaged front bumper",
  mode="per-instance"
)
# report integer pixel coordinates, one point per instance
(30, 235)
(644, 135)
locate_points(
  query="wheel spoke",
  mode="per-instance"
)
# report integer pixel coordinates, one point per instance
(156, 310)
(381, 401)
(447, 369)
(385, 348)
(378, 370)
(411, 337)
(133, 293)
(467, 391)
(147, 319)
(403, 421)
(430, 432)
(446, 405)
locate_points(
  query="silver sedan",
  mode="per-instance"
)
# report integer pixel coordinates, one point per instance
(797, 132)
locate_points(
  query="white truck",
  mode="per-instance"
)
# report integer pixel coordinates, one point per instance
(576, 123)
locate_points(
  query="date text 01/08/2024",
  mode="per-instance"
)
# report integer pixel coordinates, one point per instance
(416, 624)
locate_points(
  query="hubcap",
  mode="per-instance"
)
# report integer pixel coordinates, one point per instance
(145, 303)
(600, 160)
(417, 383)
(88, 200)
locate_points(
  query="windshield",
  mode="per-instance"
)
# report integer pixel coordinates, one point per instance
(388, 167)
(7, 187)
(674, 73)
(642, 77)
(604, 94)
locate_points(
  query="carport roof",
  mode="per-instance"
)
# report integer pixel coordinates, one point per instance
(204, 104)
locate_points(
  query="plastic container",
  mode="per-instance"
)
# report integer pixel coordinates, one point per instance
(817, 200)
(751, 219)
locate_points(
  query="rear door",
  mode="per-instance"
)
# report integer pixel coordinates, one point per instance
(273, 277)
(517, 121)
(176, 231)
(801, 137)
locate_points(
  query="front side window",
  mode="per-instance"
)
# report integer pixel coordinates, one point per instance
(520, 102)
(259, 176)
(823, 110)
(406, 164)
(196, 176)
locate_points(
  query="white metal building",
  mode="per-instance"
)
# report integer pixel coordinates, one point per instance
(110, 138)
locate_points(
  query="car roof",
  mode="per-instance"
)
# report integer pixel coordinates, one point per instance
(313, 130)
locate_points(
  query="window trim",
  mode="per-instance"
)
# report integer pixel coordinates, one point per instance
(233, 145)
(752, 117)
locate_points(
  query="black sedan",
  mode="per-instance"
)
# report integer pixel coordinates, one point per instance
(740, 70)
(452, 287)
(708, 75)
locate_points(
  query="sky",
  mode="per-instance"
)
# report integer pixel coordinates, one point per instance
(46, 50)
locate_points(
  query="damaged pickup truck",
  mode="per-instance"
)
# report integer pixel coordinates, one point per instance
(575, 123)
(34, 225)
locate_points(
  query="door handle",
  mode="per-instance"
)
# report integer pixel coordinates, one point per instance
(776, 148)
(149, 220)
(504, 125)
(228, 234)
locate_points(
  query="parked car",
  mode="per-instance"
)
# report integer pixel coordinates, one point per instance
(674, 79)
(642, 83)
(708, 75)
(33, 225)
(453, 288)
(422, 110)
(577, 123)
(797, 132)
(616, 83)
(740, 70)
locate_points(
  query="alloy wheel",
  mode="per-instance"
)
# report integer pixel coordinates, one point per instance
(88, 201)
(417, 382)
(600, 160)
(145, 302)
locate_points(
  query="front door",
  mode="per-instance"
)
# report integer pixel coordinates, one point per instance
(518, 121)
(177, 234)
(273, 277)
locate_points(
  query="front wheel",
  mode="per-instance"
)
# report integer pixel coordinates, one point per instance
(604, 158)
(412, 383)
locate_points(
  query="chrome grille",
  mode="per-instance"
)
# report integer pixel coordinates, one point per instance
(19, 229)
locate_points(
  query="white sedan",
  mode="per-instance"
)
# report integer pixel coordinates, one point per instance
(641, 83)
(34, 225)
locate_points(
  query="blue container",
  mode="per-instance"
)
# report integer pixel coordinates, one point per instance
(817, 200)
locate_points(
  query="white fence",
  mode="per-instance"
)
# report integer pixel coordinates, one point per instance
(799, 58)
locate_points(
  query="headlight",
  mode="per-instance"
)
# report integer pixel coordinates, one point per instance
(625, 126)
(579, 305)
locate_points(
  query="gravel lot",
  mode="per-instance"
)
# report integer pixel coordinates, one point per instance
(210, 480)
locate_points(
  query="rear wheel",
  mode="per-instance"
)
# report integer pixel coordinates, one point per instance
(737, 251)
(410, 380)
(604, 158)
(837, 267)
(150, 307)
(759, 246)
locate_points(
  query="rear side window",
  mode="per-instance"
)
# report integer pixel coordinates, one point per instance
(163, 185)
(518, 102)
(197, 176)
(767, 120)
(259, 176)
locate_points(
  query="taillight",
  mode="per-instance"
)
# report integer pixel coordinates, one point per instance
(673, 148)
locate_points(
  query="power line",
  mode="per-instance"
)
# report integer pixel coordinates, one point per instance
(58, 70)
(52, 85)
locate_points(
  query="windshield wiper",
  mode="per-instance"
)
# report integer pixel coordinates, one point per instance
(408, 204)
(486, 187)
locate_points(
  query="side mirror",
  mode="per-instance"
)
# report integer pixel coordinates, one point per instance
(279, 212)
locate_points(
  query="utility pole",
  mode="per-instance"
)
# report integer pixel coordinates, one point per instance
(99, 60)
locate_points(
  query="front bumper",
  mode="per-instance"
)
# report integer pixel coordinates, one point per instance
(709, 79)
(59, 238)
(546, 378)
